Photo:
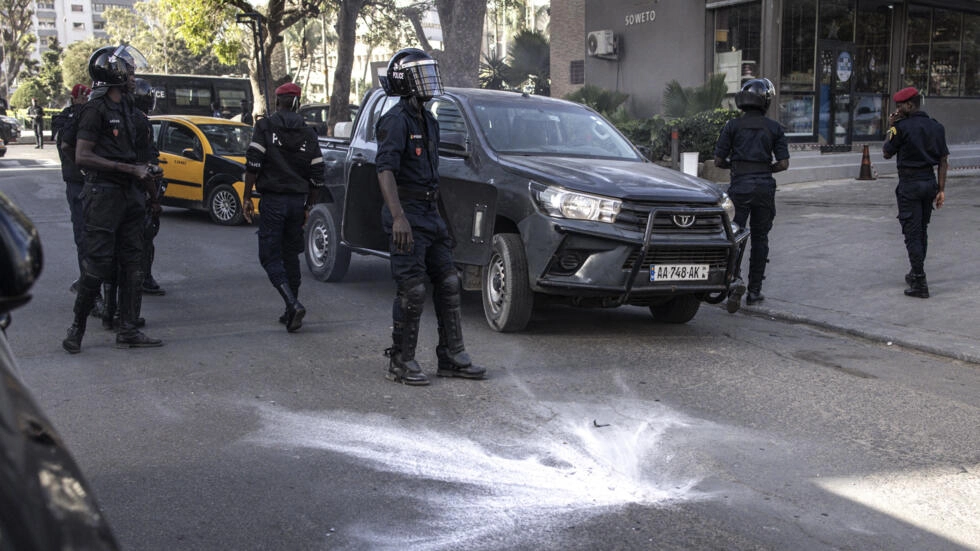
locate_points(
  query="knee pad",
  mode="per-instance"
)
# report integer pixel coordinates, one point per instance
(412, 296)
(447, 290)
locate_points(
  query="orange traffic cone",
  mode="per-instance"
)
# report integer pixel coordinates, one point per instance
(866, 173)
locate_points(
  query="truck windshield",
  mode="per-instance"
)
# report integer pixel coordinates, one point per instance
(557, 129)
(228, 140)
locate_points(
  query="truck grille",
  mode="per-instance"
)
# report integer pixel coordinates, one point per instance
(633, 216)
(716, 257)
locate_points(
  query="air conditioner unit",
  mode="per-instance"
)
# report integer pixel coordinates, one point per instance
(602, 43)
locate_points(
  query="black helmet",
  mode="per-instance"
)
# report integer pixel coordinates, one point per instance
(112, 65)
(144, 96)
(756, 93)
(412, 72)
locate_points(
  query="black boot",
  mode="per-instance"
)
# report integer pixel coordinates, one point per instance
(151, 287)
(88, 289)
(129, 336)
(754, 296)
(285, 315)
(736, 290)
(918, 287)
(453, 359)
(110, 311)
(402, 367)
(294, 310)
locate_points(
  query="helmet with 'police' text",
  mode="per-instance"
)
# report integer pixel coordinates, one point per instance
(755, 94)
(412, 72)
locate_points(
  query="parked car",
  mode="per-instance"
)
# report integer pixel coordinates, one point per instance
(315, 115)
(546, 200)
(45, 501)
(10, 129)
(203, 160)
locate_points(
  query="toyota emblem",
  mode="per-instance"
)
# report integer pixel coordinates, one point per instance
(683, 220)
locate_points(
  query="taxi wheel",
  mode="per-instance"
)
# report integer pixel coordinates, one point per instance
(680, 309)
(326, 257)
(224, 206)
(507, 297)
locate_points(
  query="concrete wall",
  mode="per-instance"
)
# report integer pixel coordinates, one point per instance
(653, 50)
(567, 43)
(961, 117)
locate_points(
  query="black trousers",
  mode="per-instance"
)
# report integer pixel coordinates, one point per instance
(281, 219)
(915, 195)
(754, 196)
(73, 192)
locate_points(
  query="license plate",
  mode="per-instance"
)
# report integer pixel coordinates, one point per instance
(679, 272)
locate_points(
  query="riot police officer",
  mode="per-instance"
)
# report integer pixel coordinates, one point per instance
(113, 196)
(282, 162)
(920, 143)
(419, 240)
(753, 147)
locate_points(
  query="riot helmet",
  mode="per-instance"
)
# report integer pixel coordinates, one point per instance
(755, 94)
(144, 95)
(412, 72)
(113, 65)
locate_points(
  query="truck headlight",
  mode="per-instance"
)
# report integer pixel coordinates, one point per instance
(729, 206)
(563, 203)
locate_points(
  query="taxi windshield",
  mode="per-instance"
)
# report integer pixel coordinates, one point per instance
(227, 140)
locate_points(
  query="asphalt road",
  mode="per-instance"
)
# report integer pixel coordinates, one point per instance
(596, 429)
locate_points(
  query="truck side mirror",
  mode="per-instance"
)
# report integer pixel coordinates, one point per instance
(343, 130)
(453, 144)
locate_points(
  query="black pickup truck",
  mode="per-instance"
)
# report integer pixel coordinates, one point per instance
(547, 201)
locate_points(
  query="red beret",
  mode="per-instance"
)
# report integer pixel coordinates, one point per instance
(905, 94)
(289, 89)
(80, 90)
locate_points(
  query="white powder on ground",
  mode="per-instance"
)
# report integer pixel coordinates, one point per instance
(568, 465)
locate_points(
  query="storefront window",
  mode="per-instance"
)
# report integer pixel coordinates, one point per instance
(836, 20)
(941, 57)
(871, 53)
(799, 37)
(737, 43)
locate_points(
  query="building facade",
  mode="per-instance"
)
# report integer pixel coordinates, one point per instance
(71, 20)
(834, 62)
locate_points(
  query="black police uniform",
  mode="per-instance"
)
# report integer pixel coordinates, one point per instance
(285, 156)
(114, 209)
(751, 142)
(36, 113)
(920, 143)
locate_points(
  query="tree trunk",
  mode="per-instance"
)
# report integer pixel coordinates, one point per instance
(346, 39)
(462, 35)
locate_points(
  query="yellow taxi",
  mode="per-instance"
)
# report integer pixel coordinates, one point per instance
(203, 160)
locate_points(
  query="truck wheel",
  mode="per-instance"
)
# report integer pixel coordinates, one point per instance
(677, 310)
(326, 257)
(224, 206)
(507, 296)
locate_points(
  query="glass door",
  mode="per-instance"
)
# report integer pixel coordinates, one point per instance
(835, 87)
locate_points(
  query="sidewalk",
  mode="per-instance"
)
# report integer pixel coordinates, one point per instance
(838, 261)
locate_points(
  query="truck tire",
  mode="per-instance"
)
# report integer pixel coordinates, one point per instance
(224, 206)
(326, 257)
(507, 297)
(677, 310)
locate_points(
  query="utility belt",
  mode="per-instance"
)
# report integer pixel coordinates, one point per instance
(750, 167)
(915, 172)
(115, 178)
(418, 194)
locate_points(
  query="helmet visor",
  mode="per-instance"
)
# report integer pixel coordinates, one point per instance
(425, 73)
(133, 58)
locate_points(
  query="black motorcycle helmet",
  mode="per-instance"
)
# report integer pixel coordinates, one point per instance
(412, 72)
(144, 95)
(755, 94)
(112, 65)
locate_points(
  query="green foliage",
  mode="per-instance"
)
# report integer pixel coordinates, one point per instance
(698, 132)
(74, 62)
(492, 71)
(31, 87)
(606, 102)
(530, 62)
(50, 78)
(684, 102)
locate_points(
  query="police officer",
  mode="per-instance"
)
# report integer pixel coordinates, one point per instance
(64, 125)
(419, 241)
(282, 162)
(36, 113)
(920, 143)
(753, 147)
(113, 196)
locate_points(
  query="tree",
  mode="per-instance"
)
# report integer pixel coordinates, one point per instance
(462, 35)
(49, 75)
(530, 62)
(493, 72)
(16, 40)
(74, 61)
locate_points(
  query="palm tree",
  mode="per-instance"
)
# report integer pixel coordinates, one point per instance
(530, 63)
(492, 72)
(684, 102)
